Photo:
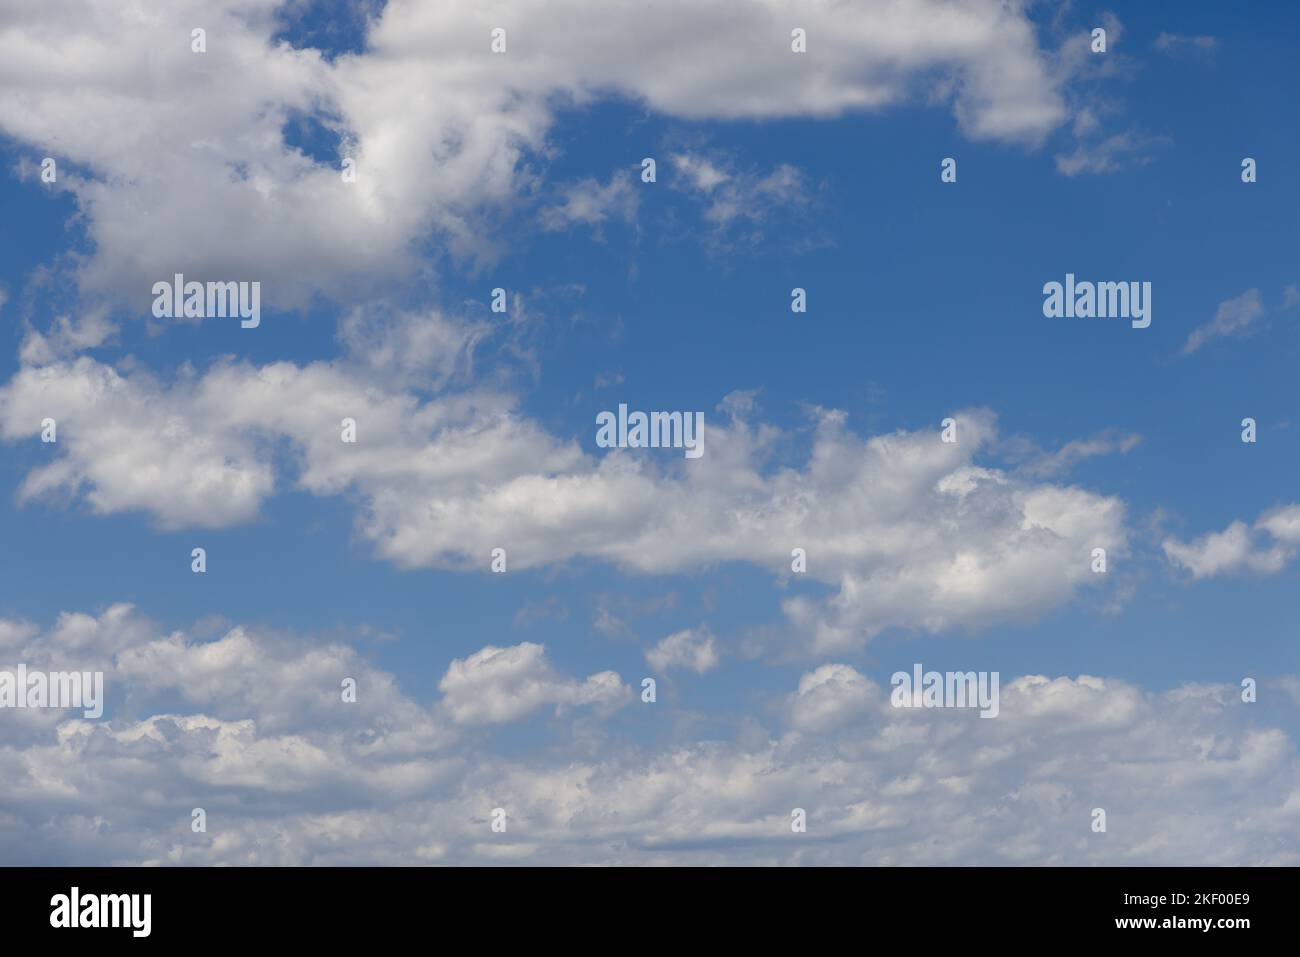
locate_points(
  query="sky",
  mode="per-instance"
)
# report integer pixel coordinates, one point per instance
(522, 690)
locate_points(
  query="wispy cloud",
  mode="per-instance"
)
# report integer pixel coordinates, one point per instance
(1234, 317)
(1111, 154)
(1175, 43)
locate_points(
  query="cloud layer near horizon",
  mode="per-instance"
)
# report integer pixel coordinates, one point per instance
(254, 731)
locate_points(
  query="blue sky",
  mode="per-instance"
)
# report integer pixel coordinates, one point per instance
(924, 300)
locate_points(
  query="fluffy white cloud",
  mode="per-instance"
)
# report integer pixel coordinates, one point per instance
(179, 162)
(1283, 523)
(496, 685)
(127, 450)
(909, 529)
(1240, 547)
(831, 695)
(250, 727)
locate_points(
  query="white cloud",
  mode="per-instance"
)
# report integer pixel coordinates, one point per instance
(910, 530)
(1234, 317)
(694, 649)
(1111, 154)
(592, 203)
(1079, 450)
(1186, 776)
(497, 685)
(1283, 523)
(178, 162)
(830, 696)
(1241, 548)
(66, 337)
(733, 194)
(128, 450)
(699, 171)
(425, 349)
(1217, 552)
